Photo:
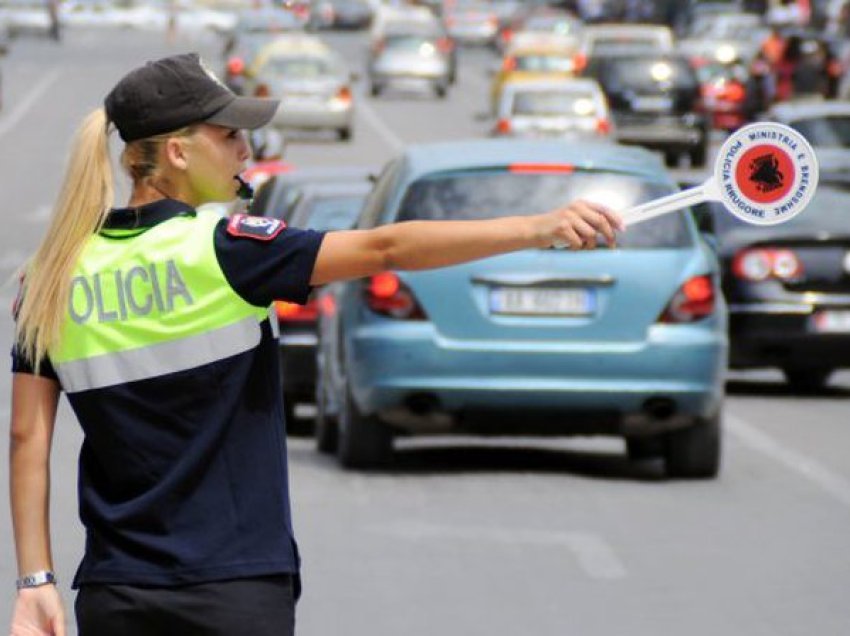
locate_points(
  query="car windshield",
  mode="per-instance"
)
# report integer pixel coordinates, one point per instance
(830, 132)
(553, 103)
(267, 21)
(649, 73)
(562, 26)
(498, 193)
(613, 45)
(328, 213)
(545, 63)
(412, 43)
(298, 67)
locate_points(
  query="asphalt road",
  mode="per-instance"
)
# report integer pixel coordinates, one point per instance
(466, 537)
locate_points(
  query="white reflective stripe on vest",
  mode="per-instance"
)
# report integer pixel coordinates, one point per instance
(160, 359)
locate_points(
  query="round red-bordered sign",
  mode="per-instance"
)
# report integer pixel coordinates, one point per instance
(765, 173)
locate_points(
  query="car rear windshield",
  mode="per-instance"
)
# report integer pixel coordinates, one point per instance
(499, 193)
(328, 213)
(414, 43)
(563, 26)
(832, 132)
(298, 67)
(545, 63)
(553, 103)
(649, 73)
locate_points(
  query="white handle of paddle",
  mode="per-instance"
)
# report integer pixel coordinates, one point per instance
(670, 203)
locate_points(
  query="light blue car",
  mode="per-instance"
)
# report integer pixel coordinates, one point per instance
(629, 342)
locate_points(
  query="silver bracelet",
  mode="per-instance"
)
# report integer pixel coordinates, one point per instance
(36, 579)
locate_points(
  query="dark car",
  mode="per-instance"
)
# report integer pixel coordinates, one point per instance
(341, 14)
(655, 103)
(326, 207)
(788, 289)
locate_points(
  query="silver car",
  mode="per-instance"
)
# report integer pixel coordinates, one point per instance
(313, 85)
(406, 59)
(553, 108)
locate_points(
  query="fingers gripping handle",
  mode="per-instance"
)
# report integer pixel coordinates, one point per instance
(670, 203)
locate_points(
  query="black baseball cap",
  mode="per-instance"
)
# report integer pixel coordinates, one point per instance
(167, 94)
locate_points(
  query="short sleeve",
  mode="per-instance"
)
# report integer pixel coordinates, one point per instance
(262, 271)
(21, 364)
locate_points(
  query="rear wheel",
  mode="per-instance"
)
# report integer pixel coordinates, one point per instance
(698, 155)
(375, 90)
(294, 426)
(344, 134)
(807, 379)
(363, 440)
(694, 452)
(326, 431)
(440, 90)
(639, 448)
(671, 158)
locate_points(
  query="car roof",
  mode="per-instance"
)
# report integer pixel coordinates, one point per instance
(789, 111)
(294, 44)
(493, 153)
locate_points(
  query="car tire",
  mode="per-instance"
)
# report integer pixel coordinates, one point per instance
(640, 448)
(295, 426)
(326, 431)
(344, 134)
(363, 441)
(441, 90)
(694, 452)
(375, 90)
(698, 155)
(671, 158)
(807, 379)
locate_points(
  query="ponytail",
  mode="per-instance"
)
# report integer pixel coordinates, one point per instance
(86, 196)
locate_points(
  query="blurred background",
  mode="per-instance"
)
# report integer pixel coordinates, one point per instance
(651, 439)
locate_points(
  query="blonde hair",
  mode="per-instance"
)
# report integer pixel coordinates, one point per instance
(86, 196)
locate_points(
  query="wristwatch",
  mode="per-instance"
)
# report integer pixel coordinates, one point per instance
(36, 579)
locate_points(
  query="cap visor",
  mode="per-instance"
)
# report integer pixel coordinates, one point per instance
(245, 112)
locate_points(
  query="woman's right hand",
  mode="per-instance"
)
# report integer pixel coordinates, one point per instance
(38, 612)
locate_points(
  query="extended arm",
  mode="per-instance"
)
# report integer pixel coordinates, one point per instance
(429, 244)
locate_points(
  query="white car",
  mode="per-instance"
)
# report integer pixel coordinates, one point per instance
(553, 108)
(826, 125)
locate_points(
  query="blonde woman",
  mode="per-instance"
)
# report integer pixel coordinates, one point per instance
(152, 318)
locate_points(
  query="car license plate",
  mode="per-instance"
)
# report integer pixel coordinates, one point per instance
(832, 321)
(652, 104)
(533, 301)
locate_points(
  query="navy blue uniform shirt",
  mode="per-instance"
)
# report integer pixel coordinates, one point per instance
(183, 478)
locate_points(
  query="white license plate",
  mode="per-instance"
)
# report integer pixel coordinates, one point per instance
(832, 321)
(652, 104)
(531, 301)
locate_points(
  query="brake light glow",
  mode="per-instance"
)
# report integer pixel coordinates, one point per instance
(734, 92)
(292, 312)
(507, 35)
(760, 264)
(343, 94)
(445, 45)
(579, 62)
(509, 64)
(603, 126)
(541, 168)
(503, 126)
(693, 301)
(235, 66)
(387, 295)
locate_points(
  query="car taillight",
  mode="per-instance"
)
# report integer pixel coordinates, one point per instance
(579, 62)
(262, 90)
(507, 36)
(603, 126)
(235, 66)
(292, 312)
(503, 127)
(733, 92)
(387, 295)
(541, 168)
(694, 300)
(762, 263)
(509, 64)
(445, 45)
(343, 94)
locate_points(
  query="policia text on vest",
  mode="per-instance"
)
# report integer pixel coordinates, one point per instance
(111, 296)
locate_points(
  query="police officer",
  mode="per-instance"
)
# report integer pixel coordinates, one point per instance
(153, 320)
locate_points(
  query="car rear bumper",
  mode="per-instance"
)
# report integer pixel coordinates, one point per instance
(660, 136)
(397, 374)
(784, 335)
(298, 364)
(320, 116)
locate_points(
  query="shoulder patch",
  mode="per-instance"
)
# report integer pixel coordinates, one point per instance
(259, 228)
